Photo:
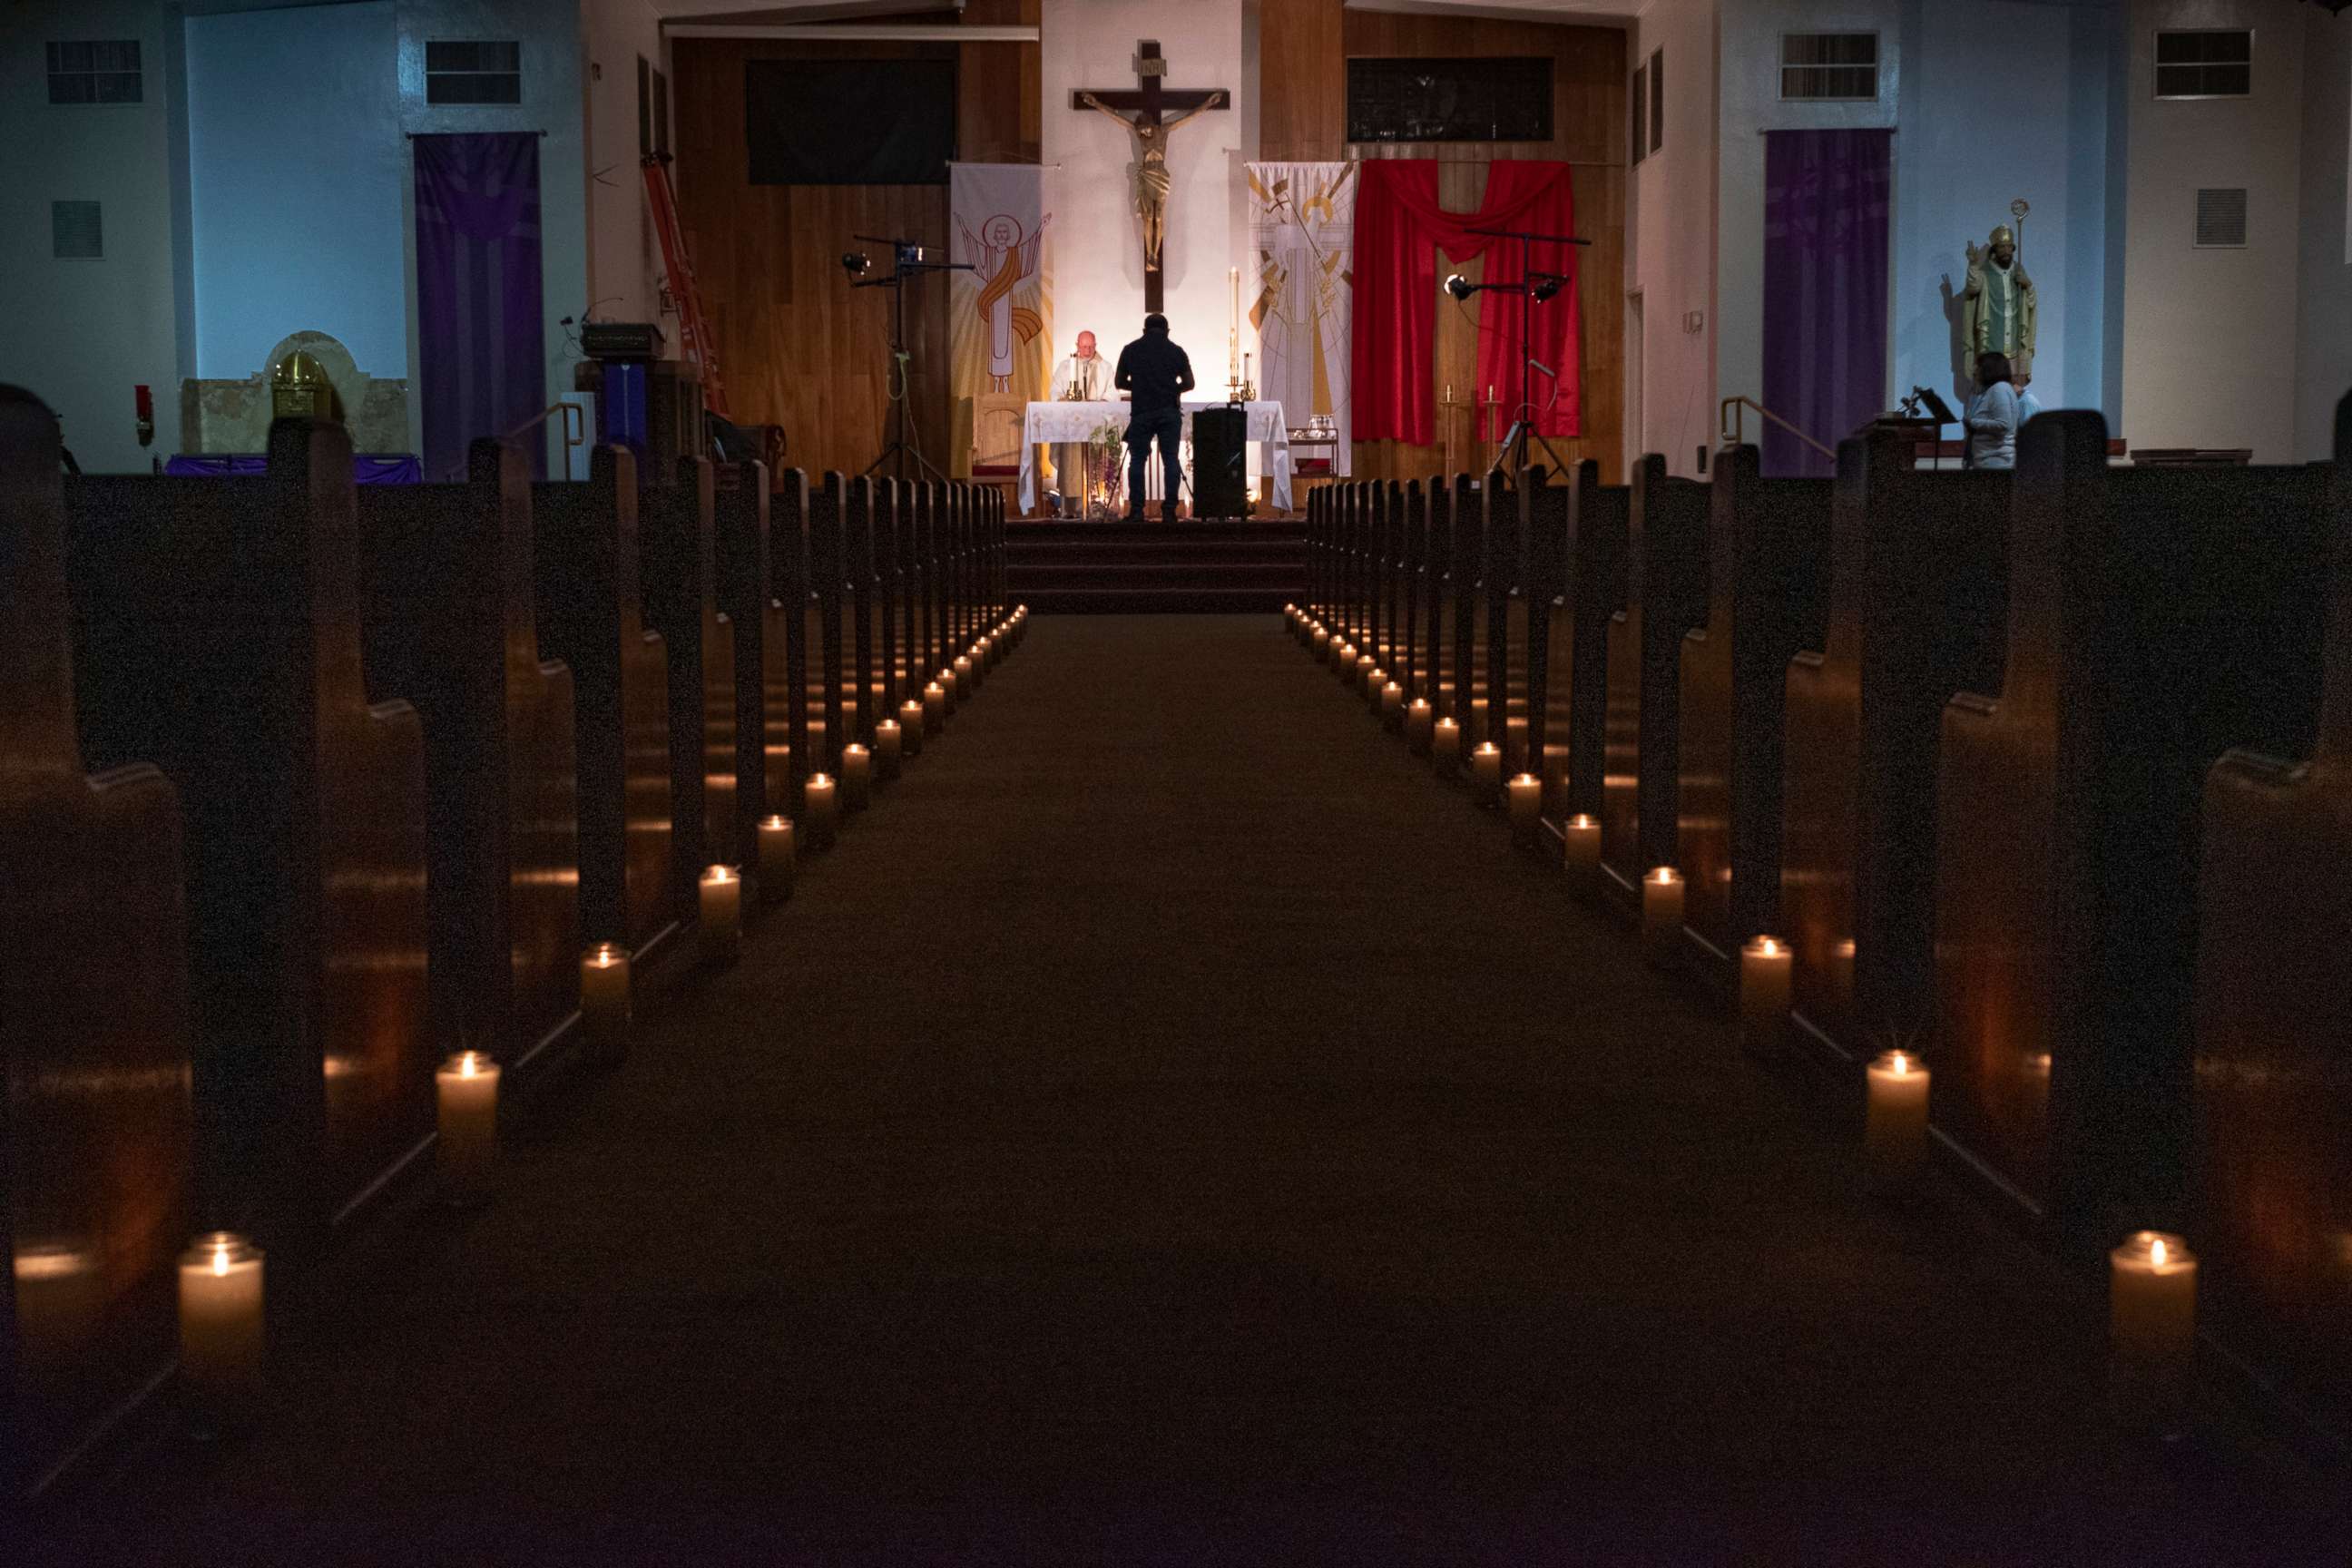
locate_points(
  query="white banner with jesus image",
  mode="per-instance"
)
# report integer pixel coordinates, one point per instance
(999, 315)
(1303, 245)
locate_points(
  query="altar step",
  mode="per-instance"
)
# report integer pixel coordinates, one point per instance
(1213, 566)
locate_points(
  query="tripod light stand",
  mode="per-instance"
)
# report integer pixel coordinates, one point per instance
(909, 261)
(1533, 288)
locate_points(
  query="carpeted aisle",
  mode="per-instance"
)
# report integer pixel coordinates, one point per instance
(1173, 1129)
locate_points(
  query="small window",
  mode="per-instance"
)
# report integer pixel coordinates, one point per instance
(473, 71)
(661, 114)
(1638, 133)
(1830, 67)
(1657, 99)
(645, 108)
(2209, 64)
(94, 73)
(75, 234)
(2221, 218)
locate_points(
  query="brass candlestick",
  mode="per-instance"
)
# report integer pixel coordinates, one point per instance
(1449, 403)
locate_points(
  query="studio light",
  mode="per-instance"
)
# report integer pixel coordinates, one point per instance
(1547, 285)
(1461, 287)
(856, 264)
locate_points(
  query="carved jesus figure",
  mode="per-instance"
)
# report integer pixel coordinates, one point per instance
(1151, 169)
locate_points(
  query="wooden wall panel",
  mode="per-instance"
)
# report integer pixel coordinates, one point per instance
(1305, 45)
(800, 347)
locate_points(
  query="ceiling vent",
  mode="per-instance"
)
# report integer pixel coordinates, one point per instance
(2221, 217)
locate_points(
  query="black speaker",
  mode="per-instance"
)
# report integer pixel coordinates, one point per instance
(1219, 478)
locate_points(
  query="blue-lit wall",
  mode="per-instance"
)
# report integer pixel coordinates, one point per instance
(297, 173)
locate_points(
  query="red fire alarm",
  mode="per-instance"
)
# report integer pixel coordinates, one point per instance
(146, 403)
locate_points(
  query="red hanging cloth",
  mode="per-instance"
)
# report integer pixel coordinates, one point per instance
(1398, 230)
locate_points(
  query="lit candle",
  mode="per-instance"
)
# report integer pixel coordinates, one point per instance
(1486, 771)
(1419, 721)
(720, 931)
(1344, 663)
(1895, 1119)
(1580, 838)
(1764, 979)
(1526, 792)
(605, 999)
(221, 1334)
(856, 777)
(912, 722)
(466, 1085)
(888, 743)
(988, 649)
(1445, 746)
(1391, 706)
(1374, 678)
(1478, 721)
(1322, 639)
(950, 687)
(935, 709)
(1515, 742)
(1662, 913)
(2152, 1321)
(819, 810)
(779, 858)
(967, 680)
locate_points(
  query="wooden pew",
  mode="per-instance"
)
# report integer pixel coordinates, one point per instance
(1543, 574)
(954, 552)
(679, 570)
(1320, 553)
(2157, 619)
(1665, 596)
(789, 627)
(892, 498)
(2272, 1162)
(217, 634)
(1469, 524)
(1917, 574)
(998, 606)
(827, 722)
(1413, 587)
(1585, 590)
(936, 593)
(1352, 503)
(747, 597)
(1383, 526)
(95, 1135)
(1432, 661)
(861, 672)
(1768, 563)
(585, 561)
(450, 617)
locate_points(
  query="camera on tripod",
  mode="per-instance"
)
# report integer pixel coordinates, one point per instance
(909, 259)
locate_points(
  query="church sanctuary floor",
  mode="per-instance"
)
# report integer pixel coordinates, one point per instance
(1174, 1130)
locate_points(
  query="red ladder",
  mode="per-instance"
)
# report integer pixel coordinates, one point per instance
(692, 329)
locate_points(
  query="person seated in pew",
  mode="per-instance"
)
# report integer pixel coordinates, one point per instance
(2028, 406)
(1992, 417)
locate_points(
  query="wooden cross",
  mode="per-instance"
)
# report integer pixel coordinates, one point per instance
(1142, 107)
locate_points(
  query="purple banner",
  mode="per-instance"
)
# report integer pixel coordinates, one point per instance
(481, 344)
(367, 468)
(1826, 283)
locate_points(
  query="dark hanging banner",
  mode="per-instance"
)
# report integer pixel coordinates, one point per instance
(480, 332)
(850, 122)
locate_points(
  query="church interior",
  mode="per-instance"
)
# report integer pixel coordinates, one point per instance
(1533, 782)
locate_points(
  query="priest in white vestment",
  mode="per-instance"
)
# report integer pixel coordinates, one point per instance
(1083, 377)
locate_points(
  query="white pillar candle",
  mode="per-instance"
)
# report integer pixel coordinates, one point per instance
(912, 722)
(1895, 1118)
(1322, 640)
(2152, 1321)
(1526, 794)
(467, 1088)
(1445, 746)
(947, 684)
(1515, 744)
(1391, 706)
(779, 858)
(888, 743)
(1764, 979)
(819, 810)
(1662, 914)
(605, 999)
(966, 681)
(935, 709)
(1418, 724)
(1486, 772)
(1374, 678)
(988, 649)
(721, 928)
(856, 777)
(1344, 662)
(1580, 847)
(221, 1334)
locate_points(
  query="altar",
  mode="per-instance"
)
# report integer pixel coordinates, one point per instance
(1046, 422)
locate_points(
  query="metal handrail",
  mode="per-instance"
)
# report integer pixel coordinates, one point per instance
(575, 429)
(1731, 424)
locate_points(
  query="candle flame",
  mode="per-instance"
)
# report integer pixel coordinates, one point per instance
(1664, 876)
(2155, 1252)
(1581, 819)
(220, 1257)
(468, 1065)
(1771, 948)
(718, 874)
(1902, 1064)
(771, 820)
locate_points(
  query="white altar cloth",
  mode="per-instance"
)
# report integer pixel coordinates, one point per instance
(1050, 421)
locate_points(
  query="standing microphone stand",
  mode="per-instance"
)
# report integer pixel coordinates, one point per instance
(903, 443)
(1523, 426)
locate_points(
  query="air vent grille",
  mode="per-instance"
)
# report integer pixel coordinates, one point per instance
(2221, 217)
(75, 234)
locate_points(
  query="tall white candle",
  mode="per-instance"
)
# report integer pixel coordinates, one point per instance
(1392, 705)
(819, 810)
(1764, 980)
(966, 681)
(912, 722)
(1526, 792)
(721, 928)
(1322, 640)
(605, 999)
(1486, 772)
(1445, 746)
(935, 709)
(1418, 726)
(2152, 1321)
(888, 742)
(779, 858)
(1580, 847)
(1662, 914)
(466, 1088)
(952, 688)
(856, 777)
(1344, 662)
(222, 1337)
(1374, 678)
(1895, 1118)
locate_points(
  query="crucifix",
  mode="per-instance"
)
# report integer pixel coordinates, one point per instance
(1151, 134)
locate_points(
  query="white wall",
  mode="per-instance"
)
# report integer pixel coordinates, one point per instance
(2323, 327)
(1098, 254)
(2208, 335)
(1670, 238)
(624, 259)
(80, 334)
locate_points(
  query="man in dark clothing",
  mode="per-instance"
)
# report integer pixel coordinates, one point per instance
(1158, 374)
